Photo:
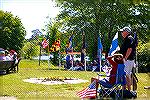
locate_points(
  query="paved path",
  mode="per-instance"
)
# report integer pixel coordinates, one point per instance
(7, 98)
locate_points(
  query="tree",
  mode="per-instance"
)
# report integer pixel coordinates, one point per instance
(103, 17)
(143, 57)
(12, 32)
(30, 49)
(52, 34)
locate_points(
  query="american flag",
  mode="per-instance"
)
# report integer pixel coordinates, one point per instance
(89, 92)
(44, 43)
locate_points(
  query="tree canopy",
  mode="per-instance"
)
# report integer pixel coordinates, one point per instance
(104, 18)
(12, 32)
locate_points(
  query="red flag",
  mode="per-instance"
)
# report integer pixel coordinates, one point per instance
(57, 44)
(89, 92)
(44, 43)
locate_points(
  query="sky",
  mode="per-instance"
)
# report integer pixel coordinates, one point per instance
(32, 13)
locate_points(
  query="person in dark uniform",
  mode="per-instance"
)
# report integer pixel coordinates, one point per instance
(128, 50)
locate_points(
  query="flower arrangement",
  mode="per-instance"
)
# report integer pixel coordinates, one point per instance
(56, 79)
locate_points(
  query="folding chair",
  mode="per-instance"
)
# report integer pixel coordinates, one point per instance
(113, 90)
(94, 68)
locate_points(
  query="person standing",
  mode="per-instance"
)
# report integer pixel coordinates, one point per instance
(128, 50)
(68, 61)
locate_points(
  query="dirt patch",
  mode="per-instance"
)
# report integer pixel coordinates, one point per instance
(55, 81)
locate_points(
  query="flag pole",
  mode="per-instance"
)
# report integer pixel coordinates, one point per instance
(85, 63)
(59, 59)
(40, 43)
(40, 55)
(83, 51)
(72, 51)
(100, 47)
(59, 53)
(72, 58)
(48, 52)
(49, 56)
(100, 62)
(84, 60)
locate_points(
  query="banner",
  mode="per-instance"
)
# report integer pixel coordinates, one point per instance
(55, 46)
(114, 45)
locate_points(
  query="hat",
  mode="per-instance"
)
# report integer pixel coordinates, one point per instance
(2, 52)
(127, 29)
(1, 49)
(118, 55)
(12, 51)
(6, 51)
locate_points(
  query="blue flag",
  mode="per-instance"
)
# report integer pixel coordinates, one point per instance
(83, 51)
(70, 42)
(100, 48)
(69, 46)
(99, 43)
(114, 45)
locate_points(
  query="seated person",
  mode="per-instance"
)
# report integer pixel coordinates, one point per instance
(13, 56)
(81, 68)
(118, 59)
(77, 66)
(7, 55)
(90, 66)
(95, 65)
(2, 54)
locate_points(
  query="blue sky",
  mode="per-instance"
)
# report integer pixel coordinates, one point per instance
(32, 13)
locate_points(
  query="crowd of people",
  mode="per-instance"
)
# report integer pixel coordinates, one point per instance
(79, 66)
(6, 55)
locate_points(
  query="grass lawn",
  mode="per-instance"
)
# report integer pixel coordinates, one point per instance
(13, 85)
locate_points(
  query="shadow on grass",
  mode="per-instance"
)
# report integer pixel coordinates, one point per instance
(148, 74)
(4, 73)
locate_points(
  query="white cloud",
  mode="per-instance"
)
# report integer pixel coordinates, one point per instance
(32, 13)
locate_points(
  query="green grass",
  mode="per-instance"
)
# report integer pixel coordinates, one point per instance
(13, 85)
(144, 80)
